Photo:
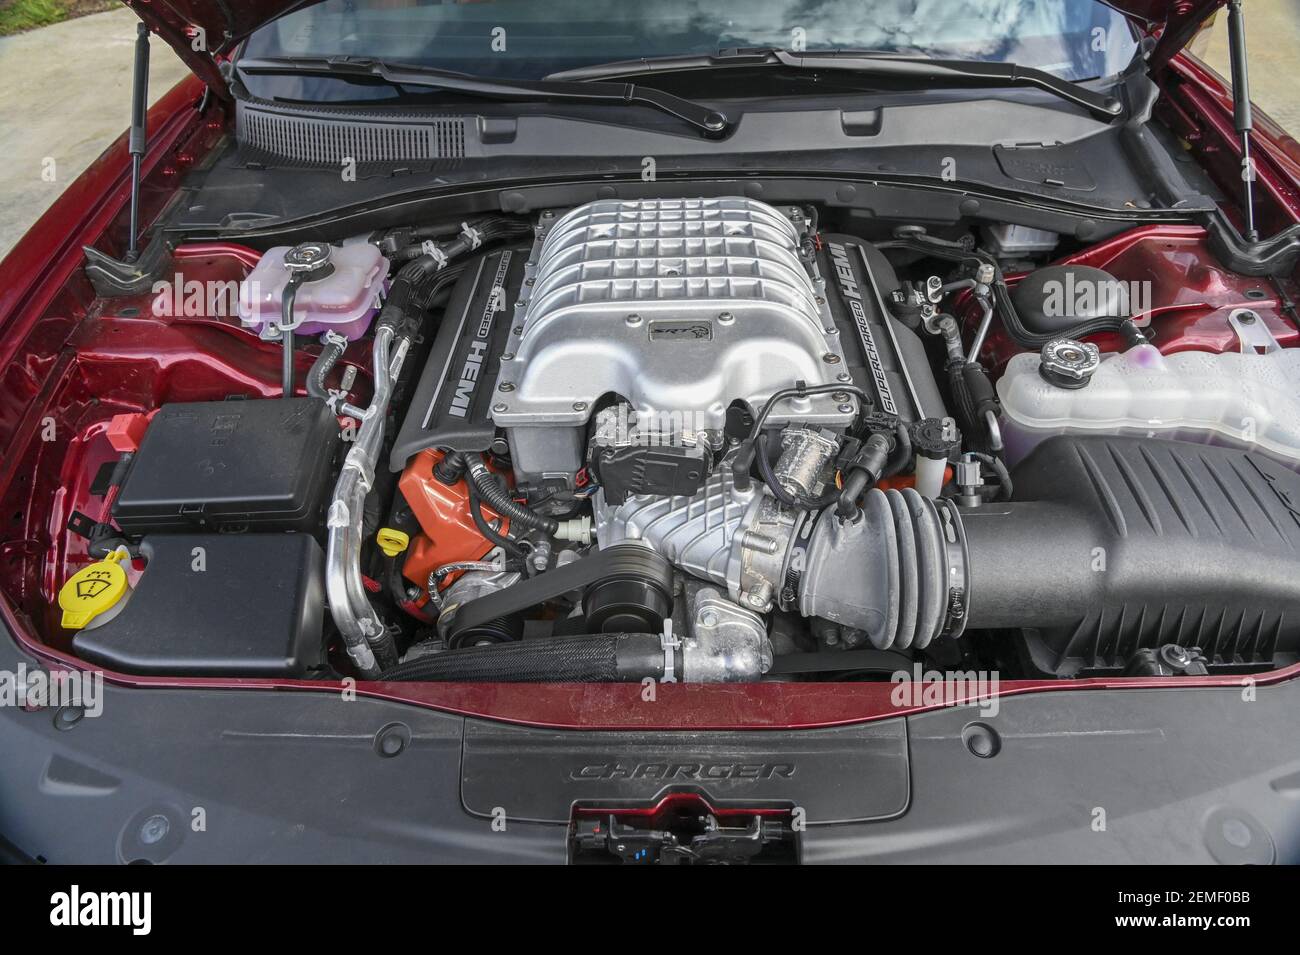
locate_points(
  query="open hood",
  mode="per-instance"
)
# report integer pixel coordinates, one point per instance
(202, 30)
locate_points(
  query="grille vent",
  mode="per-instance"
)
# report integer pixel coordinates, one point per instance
(327, 138)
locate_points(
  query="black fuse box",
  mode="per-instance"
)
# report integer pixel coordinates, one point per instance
(260, 465)
(218, 605)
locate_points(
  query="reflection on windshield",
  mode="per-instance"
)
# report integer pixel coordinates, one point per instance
(1075, 39)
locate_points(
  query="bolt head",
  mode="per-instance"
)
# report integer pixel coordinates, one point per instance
(154, 830)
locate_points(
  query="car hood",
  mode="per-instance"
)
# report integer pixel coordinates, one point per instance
(203, 31)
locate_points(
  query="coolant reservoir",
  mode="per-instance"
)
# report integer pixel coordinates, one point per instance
(1247, 399)
(344, 300)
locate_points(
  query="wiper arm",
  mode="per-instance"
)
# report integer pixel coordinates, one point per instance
(945, 72)
(712, 122)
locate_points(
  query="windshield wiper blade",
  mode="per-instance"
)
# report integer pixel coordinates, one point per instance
(865, 63)
(710, 121)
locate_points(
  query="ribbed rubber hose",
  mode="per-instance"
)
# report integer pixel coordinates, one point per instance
(587, 658)
(889, 574)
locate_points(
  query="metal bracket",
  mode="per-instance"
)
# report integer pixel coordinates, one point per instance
(1253, 334)
(670, 644)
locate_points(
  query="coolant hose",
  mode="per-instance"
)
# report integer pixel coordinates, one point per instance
(496, 497)
(586, 658)
(854, 485)
(330, 354)
(901, 459)
(368, 641)
(287, 299)
(974, 400)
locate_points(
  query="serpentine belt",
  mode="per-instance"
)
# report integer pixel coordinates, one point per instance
(630, 562)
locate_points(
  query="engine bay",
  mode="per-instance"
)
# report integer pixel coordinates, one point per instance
(702, 440)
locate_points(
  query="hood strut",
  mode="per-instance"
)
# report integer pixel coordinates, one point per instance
(139, 134)
(1241, 115)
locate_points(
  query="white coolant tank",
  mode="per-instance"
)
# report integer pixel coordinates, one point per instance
(1246, 399)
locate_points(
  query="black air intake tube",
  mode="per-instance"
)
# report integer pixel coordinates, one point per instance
(1112, 545)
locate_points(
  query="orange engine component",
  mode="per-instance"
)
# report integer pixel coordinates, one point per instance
(449, 534)
(908, 480)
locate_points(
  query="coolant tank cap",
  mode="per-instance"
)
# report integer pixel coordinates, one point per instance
(310, 259)
(91, 595)
(1068, 364)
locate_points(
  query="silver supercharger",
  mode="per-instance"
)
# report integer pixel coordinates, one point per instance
(679, 307)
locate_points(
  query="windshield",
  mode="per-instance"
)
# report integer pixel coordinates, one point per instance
(527, 39)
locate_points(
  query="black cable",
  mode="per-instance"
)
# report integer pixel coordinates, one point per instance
(801, 391)
(781, 494)
(744, 457)
(1006, 489)
(505, 543)
(494, 494)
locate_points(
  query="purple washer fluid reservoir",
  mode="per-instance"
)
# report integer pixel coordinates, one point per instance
(344, 301)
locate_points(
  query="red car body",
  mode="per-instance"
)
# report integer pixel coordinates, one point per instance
(70, 360)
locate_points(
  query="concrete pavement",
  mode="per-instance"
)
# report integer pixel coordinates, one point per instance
(1272, 49)
(65, 95)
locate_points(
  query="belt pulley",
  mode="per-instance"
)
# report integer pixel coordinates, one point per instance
(627, 588)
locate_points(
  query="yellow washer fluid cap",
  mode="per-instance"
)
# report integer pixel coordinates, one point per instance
(93, 595)
(392, 541)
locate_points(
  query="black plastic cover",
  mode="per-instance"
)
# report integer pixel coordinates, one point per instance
(263, 464)
(669, 471)
(1118, 544)
(453, 401)
(218, 605)
(1056, 298)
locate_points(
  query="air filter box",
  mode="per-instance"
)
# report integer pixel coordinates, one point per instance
(262, 464)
